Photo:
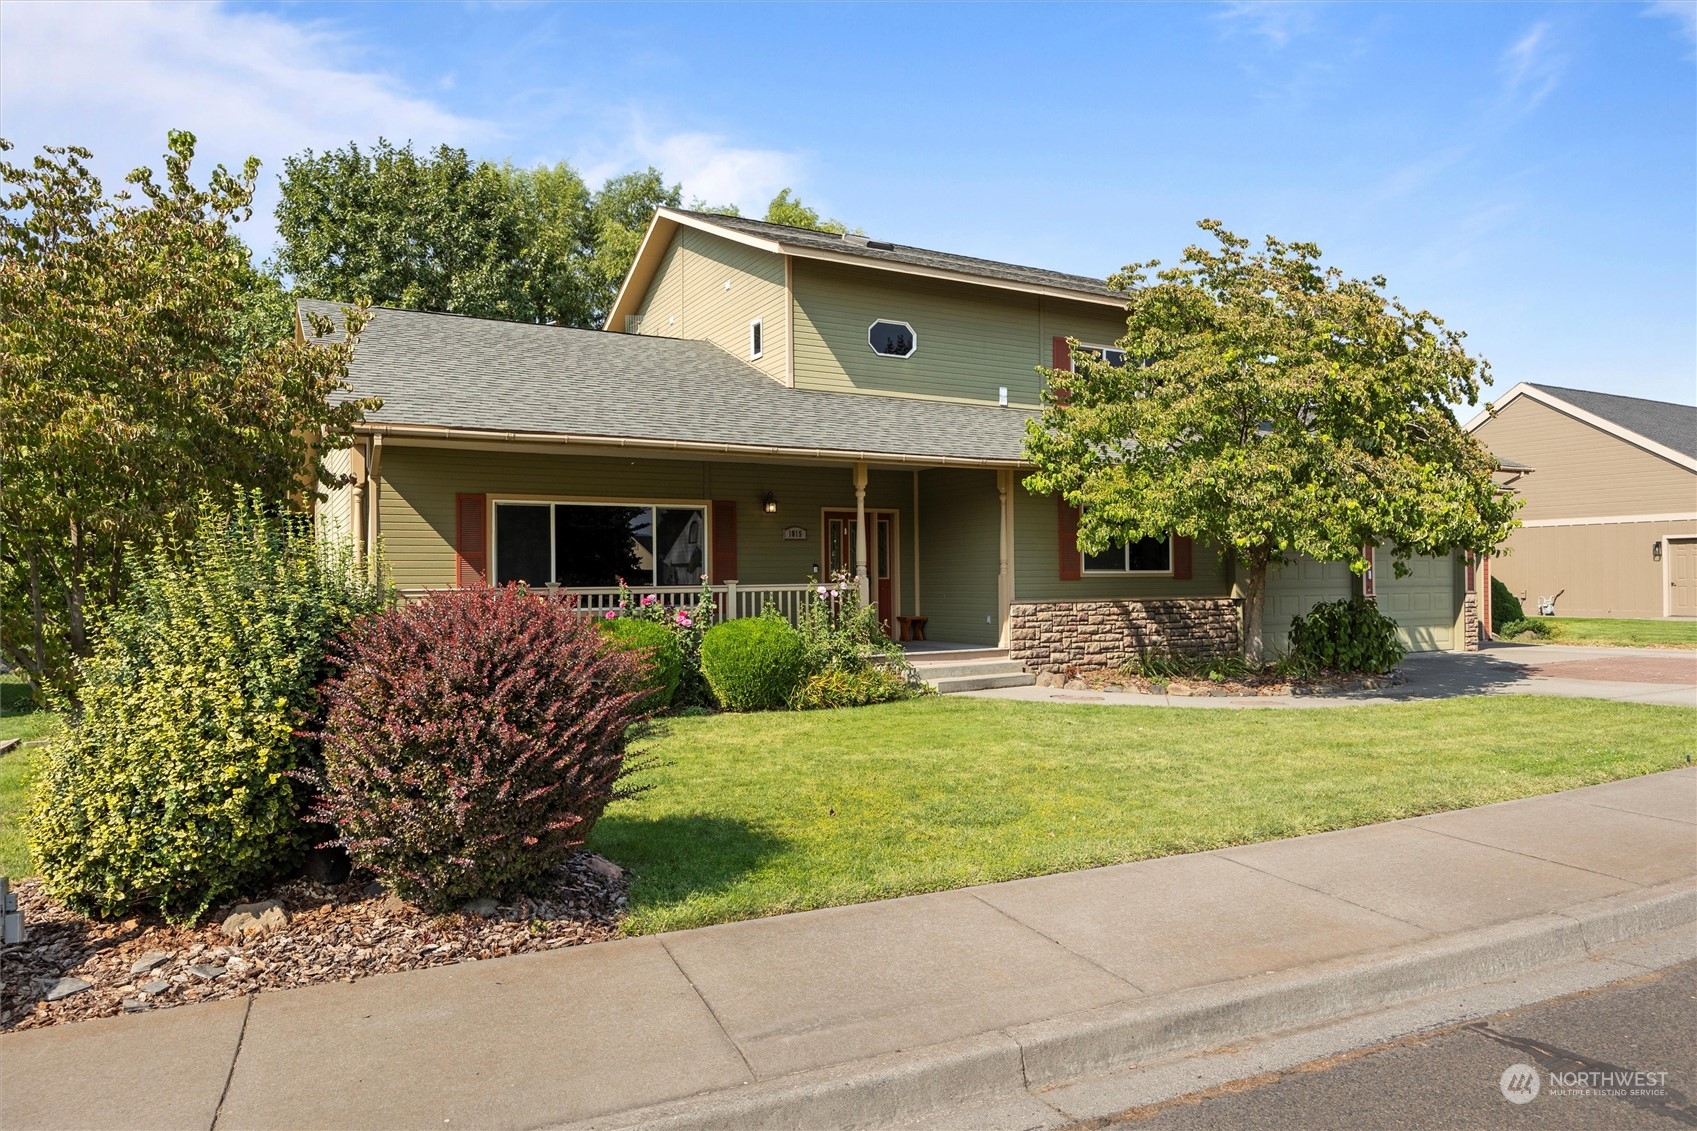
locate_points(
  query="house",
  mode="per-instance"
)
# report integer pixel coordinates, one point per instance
(1609, 528)
(768, 404)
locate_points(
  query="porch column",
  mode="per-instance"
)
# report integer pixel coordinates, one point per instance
(1004, 576)
(373, 501)
(860, 578)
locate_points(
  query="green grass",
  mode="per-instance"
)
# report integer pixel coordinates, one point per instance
(19, 718)
(755, 815)
(1621, 633)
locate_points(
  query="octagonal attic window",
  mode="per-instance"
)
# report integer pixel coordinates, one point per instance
(892, 339)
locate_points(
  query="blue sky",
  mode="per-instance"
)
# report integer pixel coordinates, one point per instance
(1527, 172)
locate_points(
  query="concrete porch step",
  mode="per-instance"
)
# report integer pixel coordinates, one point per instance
(949, 685)
(946, 670)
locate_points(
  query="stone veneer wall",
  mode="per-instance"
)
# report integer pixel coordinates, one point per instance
(1058, 636)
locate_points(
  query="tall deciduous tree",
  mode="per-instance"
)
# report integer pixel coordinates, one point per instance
(1272, 407)
(143, 363)
(444, 232)
(787, 209)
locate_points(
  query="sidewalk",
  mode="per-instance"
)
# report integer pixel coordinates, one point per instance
(885, 1011)
(1665, 676)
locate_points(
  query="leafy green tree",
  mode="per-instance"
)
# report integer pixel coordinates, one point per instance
(1271, 407)
(619, 216)
(143, 364)
(787, 209)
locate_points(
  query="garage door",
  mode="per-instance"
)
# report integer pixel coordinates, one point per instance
(1296, 588)
(1423, 604)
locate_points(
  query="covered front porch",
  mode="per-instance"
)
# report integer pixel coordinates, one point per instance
(929, 543)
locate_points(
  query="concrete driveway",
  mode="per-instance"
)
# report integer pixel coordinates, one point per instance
(1629, 675)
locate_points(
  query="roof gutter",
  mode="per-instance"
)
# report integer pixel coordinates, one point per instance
(422, 433)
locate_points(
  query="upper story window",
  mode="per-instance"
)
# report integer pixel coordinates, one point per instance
(756, 340)
(892, 339)
(1146, 555)
(1109, 354)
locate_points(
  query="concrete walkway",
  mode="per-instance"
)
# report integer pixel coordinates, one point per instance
(877, 1013)
(1666, 676)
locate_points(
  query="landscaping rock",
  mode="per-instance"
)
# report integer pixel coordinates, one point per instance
(485, 908)
(65, 987)
(374, 890)
(605, 867)
(136, 1004)
(255, 920)
(206, 973)
(156, 987)
(150, 962)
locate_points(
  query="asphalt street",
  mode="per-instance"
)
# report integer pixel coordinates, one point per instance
(1583, 1050)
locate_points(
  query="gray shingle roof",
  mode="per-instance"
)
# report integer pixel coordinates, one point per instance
(447, 371)
(910, 256)
(1663, 422)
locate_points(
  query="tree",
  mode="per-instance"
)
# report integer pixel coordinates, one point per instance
(1271, 407)
(786, 209)
(442, 232)
(142, 366)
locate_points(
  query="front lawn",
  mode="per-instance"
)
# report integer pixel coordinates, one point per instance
(1620, 633)
(753, 815)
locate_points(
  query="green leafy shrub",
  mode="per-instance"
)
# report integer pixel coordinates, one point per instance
(1165, 666)
(175, 787)
(473, 739)
(1523, 627)
(841, 687)
(1505, 606)
(687, 623)
(658, 647)
(1346, 636)
(753, 664)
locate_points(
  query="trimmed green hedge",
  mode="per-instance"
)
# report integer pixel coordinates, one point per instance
(843, 687)
(658, 646)
(753, 664)
(1505, 607)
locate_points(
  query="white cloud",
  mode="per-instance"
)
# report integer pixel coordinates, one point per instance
(1531, 68)
(709, 166)
(1682, 12)
(114, 77)
(1275, 21)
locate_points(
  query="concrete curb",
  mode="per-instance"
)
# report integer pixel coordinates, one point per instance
(1011, 1062)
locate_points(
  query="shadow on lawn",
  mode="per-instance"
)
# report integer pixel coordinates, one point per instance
(676, 857)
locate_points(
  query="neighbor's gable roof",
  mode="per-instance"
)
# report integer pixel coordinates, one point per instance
(444, 376)
(1660, 427)
(861, 251)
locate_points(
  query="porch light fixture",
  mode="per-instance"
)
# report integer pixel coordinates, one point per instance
(1656, 551)
(769, 503)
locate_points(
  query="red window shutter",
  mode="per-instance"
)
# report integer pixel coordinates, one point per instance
(1062, 359)
(471, 540)
(1181, 558)
(724, 541)
(1072, 562)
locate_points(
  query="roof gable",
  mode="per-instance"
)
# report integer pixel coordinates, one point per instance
(1663, 428)
(780, 239)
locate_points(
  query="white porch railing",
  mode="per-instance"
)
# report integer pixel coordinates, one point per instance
(732, 600)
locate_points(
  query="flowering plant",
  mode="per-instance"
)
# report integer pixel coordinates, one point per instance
(688, 621)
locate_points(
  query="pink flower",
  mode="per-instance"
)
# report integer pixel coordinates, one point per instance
(612, 614)
(824, 592)
(649, 600)
(683, 619)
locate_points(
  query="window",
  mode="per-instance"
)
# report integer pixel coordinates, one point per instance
(1146, 555)
(756, 346)
(1109, 354)
(892, 339)
(596, 544)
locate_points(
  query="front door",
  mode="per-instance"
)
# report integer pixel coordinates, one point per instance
(1682, 580)
(839, 549)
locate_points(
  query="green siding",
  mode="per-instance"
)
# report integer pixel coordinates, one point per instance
(689, 298)
(1037, 564)
(419, 485)
(972, 340)
(959, 529)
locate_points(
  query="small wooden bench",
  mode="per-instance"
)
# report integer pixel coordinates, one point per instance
(910, 628)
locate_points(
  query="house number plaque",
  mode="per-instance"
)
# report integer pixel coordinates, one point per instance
(795, 533)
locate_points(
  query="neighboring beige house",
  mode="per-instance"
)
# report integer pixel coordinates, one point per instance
(1610, 523)
(767, 403)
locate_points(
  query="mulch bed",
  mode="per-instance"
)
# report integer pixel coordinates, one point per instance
(1113, 679)
(334, 934)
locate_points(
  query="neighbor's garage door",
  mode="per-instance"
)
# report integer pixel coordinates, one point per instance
(1423, 604)
(1296, 588)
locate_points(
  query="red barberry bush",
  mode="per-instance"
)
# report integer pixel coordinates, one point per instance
(473, 739)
